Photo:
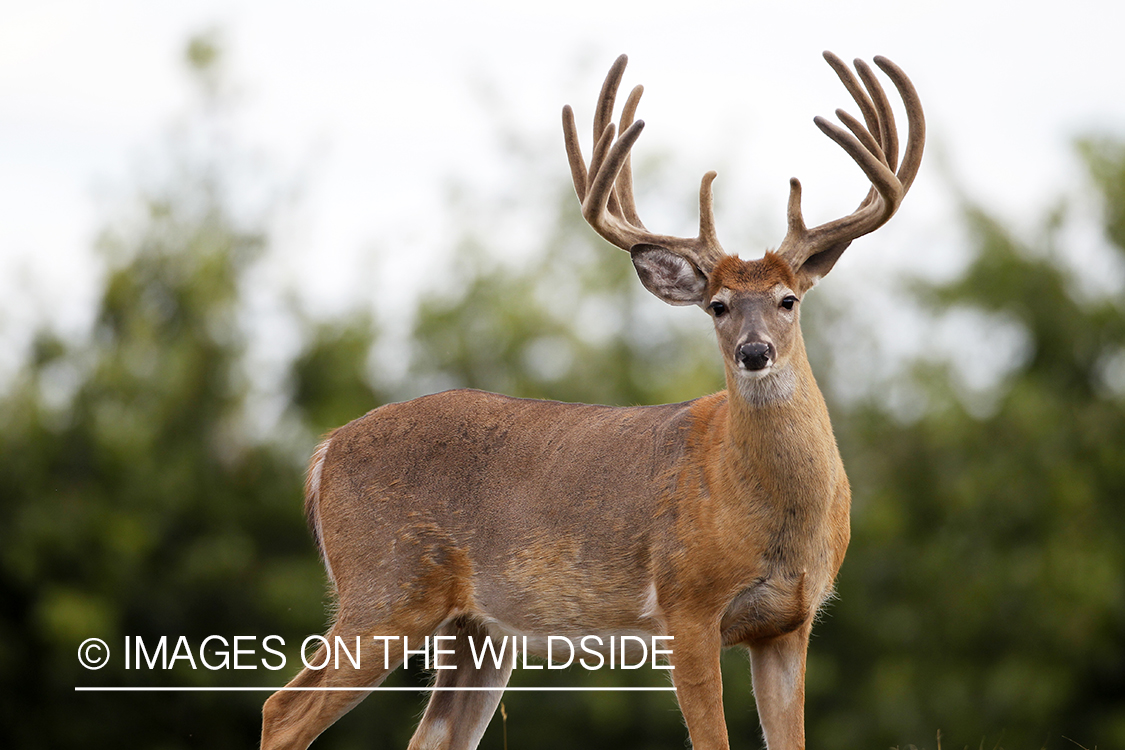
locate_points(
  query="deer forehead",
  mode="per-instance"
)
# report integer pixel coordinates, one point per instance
(734, 275)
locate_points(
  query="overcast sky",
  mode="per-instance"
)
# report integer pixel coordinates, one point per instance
(378, 103)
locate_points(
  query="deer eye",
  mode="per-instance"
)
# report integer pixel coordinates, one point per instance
(788, 302)
(718, 308)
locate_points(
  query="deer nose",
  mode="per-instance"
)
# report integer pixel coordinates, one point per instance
(754, 355)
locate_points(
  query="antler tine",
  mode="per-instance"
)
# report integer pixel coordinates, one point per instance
(601, 151)
(888, 134)
(603, 114)
(707, 211)
(624, 184)
(595, 207)
(605, 189)
(574, 153)
(866, 108)
(915, 118)
(875, 149)
(863, 135)
(877, 114)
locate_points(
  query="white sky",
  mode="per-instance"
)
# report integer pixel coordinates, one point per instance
(377, 100)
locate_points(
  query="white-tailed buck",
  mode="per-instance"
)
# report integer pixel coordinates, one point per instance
(719, 522)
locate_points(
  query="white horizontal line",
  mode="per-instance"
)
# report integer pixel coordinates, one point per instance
(366, 689)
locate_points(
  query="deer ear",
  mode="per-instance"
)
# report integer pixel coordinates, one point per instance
(670, 276)
(818, 265)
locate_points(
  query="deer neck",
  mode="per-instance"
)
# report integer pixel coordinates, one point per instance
(778, 437)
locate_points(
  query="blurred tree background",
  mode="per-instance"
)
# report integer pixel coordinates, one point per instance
(984, 591)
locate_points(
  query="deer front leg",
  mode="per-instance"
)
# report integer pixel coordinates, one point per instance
(779, 687)
(699, 684)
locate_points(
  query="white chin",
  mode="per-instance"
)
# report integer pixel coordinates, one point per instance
(769, 385)
(755, 374)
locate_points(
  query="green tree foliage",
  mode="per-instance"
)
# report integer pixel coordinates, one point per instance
(330, 384)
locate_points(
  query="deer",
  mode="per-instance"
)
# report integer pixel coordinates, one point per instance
(716, 523)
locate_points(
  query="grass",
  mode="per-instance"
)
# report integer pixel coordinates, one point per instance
(997, 746)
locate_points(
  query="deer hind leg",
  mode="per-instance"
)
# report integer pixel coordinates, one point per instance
(292, 719)
(456, 720)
